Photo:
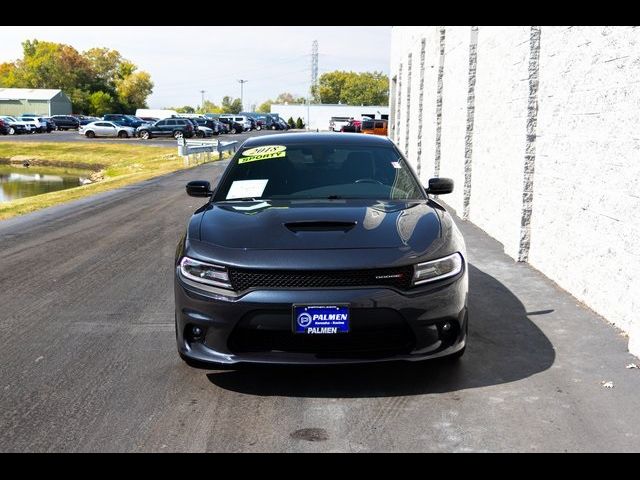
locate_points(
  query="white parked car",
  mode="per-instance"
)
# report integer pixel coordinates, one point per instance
(34, 122)
(106, 129)
(204, 132)
(17, 126)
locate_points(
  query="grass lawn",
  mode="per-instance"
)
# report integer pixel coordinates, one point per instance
(114, 164)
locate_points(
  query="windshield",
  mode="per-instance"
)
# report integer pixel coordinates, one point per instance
(296, 172)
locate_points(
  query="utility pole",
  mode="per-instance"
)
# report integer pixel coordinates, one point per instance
(314, 79)
(242, 82)
(202, 103)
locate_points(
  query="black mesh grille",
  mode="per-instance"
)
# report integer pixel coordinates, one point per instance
(243, 279)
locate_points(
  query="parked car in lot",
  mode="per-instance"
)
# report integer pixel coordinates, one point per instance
(106, 129)
(265, 122)
(336, 123)
(370, 267)
(84, 120)
(375, 127)
(126, 120)
(169, 127)
(66, 122)
(149, 119)
(233, 126)
(354, 126)
(281, 124)
(242, 120)
(15, 126)
(211, 123)
(33, 122)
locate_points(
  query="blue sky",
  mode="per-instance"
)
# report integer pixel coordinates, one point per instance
(184, 60)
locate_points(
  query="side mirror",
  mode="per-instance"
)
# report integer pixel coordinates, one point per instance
(440, 186)
(199, 188)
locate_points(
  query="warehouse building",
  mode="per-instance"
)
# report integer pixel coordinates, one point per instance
(41, 101)
(318, 116)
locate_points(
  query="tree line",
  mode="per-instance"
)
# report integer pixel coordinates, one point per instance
(97, 81)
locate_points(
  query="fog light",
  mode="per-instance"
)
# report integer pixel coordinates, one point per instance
(446, 327)
(196, 332)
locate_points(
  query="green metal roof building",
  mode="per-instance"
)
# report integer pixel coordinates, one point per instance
(41, 101)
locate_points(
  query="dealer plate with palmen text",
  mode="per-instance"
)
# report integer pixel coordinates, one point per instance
(321, 319)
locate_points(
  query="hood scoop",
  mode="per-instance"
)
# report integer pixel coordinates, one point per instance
(320, 226)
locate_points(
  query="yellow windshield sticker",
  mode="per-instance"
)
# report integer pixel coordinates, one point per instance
(263, 153)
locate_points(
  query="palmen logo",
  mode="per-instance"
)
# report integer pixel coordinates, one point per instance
(304, 319)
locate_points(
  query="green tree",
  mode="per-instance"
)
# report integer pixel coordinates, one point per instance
(55, 65)
(352, 88)
(291, 123)
(184, 109)
(299, 123)
(265, 107)
(209, 107)
(134, 89)
(287, 97)
(230, 105)
(100, 103)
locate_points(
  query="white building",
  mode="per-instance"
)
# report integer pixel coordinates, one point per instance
(317, 116)
(538, 127)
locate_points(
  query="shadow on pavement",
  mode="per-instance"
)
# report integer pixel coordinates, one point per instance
(504, 346)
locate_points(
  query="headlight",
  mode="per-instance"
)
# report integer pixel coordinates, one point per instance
(437, 269)
(207, 273)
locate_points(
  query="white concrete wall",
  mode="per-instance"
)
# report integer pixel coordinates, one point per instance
(499, 133)
(320, 115)
(572, 139)
(586, 216)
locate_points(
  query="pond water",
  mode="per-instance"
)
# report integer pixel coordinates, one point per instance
(19, 182)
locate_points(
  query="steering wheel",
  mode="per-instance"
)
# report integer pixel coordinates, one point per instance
(368, 180)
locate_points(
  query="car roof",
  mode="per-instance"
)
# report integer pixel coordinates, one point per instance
(350, 139)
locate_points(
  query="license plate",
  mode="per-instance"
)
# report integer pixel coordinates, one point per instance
(320, 319)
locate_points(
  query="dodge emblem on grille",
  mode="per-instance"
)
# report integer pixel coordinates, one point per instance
(382, 277)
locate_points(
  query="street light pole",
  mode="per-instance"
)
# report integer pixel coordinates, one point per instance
(242, 82)
(202, 102)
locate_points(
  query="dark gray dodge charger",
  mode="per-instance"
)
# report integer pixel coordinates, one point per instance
(320, 248)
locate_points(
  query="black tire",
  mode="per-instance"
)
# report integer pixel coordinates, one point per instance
(123, 134)
(145, 135)
(12, 131)
(200, 134)
(178, 134)
(90, 134)
(233, 131)
(273, 127)
(258, 128)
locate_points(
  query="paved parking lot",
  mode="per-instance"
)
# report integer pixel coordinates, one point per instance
(88, 358)
(74, 136)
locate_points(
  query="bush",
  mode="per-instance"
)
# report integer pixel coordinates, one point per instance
(299, 123)
(291, 123)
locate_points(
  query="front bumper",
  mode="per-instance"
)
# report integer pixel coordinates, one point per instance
(386, 324)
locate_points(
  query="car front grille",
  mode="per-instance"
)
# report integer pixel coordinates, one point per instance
(374, 333)
(244, 279)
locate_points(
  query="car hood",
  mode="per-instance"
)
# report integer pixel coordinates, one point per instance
(324, 225)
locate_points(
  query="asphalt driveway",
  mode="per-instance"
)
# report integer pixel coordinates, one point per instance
(88, 359)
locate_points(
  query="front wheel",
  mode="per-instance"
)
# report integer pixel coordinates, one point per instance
(233, 131)
(12, 131)
(145, 135)
(123, 134)
(90, 134)
(258, 128)
(200, 134)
